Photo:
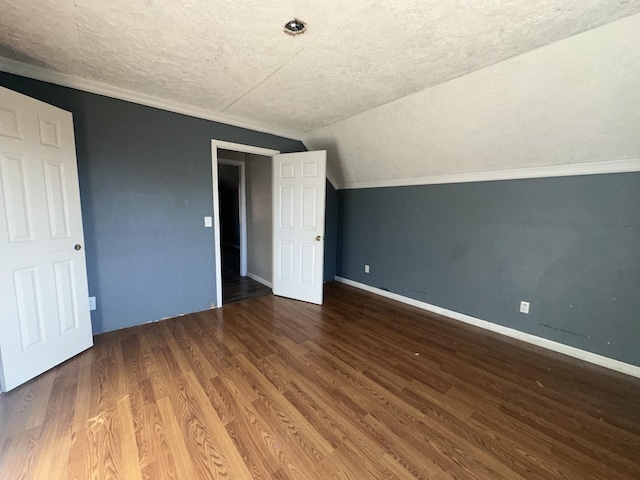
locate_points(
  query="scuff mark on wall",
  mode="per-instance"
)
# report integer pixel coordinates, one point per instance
(564, 331)
(418, 291)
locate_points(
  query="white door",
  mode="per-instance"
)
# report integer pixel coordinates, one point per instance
(298, 225)
(44, 302)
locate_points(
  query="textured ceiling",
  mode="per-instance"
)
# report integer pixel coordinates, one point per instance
(575, 101)
(231, 57)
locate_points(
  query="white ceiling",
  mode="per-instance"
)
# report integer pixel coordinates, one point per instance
(575, 101)
(231, 57)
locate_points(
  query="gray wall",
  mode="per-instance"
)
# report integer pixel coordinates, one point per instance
(145, 186)
(569, 245)
(330, 233)
(259, 216)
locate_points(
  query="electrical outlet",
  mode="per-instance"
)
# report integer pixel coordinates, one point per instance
(92, 303)
(366, 269)
(208, 222)
(524, 307)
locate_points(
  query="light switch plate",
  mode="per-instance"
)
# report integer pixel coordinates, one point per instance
(208, 222)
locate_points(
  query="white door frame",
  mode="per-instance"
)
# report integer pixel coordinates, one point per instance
(238, 147)
(242, 211)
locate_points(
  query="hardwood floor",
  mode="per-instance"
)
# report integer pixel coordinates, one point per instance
(241, 288)
(361, 388)
(235, 287)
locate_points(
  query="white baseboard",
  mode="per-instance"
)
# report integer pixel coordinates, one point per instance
(260, 280)
(594, 358)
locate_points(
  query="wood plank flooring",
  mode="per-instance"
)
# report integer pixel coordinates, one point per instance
(241, 288)
(361, 388)
(235, 287)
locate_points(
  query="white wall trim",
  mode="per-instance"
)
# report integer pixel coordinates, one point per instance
(565, 170)
(242, 210)
(260, 280)
(594, 358)
(99, 88)
(239, 147)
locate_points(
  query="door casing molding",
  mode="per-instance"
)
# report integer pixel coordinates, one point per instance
(238, 147)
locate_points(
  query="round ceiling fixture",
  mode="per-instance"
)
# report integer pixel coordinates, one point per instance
(295, 27)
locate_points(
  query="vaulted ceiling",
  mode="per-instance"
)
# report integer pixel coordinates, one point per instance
(231, 58)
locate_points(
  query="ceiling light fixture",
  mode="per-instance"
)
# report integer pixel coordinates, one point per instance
(295, 27)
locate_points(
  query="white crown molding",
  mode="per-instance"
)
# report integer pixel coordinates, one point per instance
(91, 86)
(594, 358)
(565, 170)
(38, 73)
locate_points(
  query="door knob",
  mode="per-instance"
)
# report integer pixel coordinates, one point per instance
(78, 246)
(318, 238)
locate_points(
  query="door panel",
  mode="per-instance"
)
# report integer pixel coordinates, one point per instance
(9, 122)
(14, 190)
(66, 295)
(308, 263)
(26, 282)
(299, 204)
(286, 260)
(57, 206)
(286, 207)
(308, 203)
(49, 133)
(44, 304)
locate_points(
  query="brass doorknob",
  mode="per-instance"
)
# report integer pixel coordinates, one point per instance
(78, 246)
(318, 238)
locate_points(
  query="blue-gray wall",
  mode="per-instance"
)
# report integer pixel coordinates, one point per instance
(569, 245)
(145, 186)
(330, 233)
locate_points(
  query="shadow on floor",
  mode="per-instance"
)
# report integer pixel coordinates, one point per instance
(235, 287)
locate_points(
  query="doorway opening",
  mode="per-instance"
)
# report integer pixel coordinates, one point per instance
(243, 221)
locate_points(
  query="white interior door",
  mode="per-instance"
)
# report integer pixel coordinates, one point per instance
(298, 225)
(44, 302)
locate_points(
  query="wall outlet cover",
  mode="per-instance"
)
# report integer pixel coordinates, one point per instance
(524, 307)
(92, 303)
(366, 269)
